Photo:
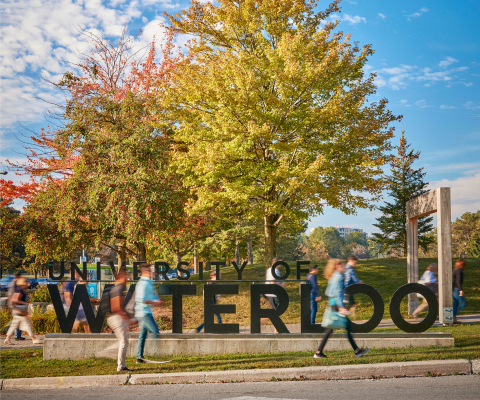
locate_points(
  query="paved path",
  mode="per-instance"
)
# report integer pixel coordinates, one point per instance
(385, 323)
(293, 328)
(439, 388)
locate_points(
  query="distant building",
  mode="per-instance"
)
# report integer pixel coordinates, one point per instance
(344, 232)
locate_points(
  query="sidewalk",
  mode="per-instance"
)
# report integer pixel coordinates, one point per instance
(385, 323)
(364, 371)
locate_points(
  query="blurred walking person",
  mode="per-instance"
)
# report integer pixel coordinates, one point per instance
(118, 321)
(459, 301)
(20, 312)
(351, 279)
(145, 296)
(11, 292)
(336, 284)
(429, 280)
(314, 294)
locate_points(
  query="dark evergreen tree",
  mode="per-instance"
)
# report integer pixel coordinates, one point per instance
(405, 183)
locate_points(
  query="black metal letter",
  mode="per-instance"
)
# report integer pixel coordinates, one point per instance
(217, 267)
(378, 307)
(210, 308)
(183, 270)
(285, 275)
(162, 271)
(177, 291)
(239, 270)
(305, 325)
(397, 315)
(80, 295)
(200, 271)
(300, 269)
(74, 267)
(62, 271)
(257, 313)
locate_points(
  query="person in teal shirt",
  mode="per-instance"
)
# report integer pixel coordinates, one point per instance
(145, 297)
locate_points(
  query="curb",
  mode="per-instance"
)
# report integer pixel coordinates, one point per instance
(363, 371)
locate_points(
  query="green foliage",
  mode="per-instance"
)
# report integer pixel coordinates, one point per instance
(473, 248)
(334, 243)
(40, 294)
(405, 184)
(12, 251)
(462, 231)
(44, 322)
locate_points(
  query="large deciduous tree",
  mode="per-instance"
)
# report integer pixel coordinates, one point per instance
(271, 113)
(105, 164)
(405, 183)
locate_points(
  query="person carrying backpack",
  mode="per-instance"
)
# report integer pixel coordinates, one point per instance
(119, 320)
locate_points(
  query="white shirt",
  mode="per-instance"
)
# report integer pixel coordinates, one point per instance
(429, 277)
(269, 277)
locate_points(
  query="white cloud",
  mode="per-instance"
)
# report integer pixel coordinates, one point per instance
(465, 192)
(400, 77)
(39, 36)
(448, 61)
(445, 107)
(352, 20)
(471, 105)
(421, 104)
(418, 13)
(381, 16)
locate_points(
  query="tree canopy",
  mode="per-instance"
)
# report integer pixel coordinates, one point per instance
(271, 113)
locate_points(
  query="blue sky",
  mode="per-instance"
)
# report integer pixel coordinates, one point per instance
(427, 57)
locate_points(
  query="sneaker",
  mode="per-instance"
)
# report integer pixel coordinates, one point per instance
(124, 369)
(321, 355)
(37, 341)
(140, 360)
(362, 352)
(20, 338)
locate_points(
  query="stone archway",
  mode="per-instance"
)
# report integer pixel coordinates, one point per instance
(438, 201)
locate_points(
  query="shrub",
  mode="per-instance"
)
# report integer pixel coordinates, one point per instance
(5, 318)
(46, 322)
(40, 295)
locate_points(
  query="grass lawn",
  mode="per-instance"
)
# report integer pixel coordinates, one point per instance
(29, 363)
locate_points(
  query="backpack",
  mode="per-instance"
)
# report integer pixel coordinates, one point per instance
(104, 306)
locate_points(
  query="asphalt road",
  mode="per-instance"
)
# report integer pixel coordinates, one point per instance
(438, 388)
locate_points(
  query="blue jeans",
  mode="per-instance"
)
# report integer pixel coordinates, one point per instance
(219, 321)
(147, 324)
(459, 302)
(18, 334)
(313, 309)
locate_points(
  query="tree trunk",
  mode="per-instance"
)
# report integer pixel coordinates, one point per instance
(270, 239)
(250, 250)
(142, 252)
(195, 260)
(237, 252)
(122, 255)
(178, 258)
